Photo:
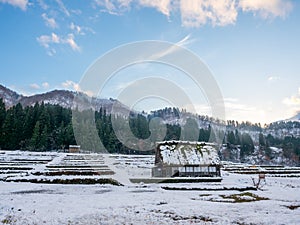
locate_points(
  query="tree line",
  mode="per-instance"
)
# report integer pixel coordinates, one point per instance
(45, 127)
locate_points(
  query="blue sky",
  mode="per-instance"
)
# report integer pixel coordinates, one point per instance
(252, 47)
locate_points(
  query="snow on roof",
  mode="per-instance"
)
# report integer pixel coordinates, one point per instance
(187, 153)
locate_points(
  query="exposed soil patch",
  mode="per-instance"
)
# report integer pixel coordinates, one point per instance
(243, 197)
(71, 181)
(73, 173)
(179, 218)
(292, 207)
(42, 191)
(209, 189)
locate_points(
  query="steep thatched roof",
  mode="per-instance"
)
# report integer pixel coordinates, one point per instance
(181, 153)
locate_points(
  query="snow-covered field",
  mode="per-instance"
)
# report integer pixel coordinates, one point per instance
(277, 201)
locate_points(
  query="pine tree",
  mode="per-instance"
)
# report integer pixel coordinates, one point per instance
(231, 138)
(261, 140)
(2, 112)
(190, 131)
(35, 139)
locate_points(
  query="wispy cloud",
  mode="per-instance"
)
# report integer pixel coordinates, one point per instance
(163, 6)
(45, 85)
(68, 84)
(76, 28)
(34, 86)
(273, 78)
(22, 4)
(50, 22)
(70, 40)
(182, 43)
(267, 8)
(294, 100)
(63, 7)
(292, 104)
(197, 13)
(48, 40)
(244, 112)
(109, 6)
(73, 86)
(43, 5)
(118, 7)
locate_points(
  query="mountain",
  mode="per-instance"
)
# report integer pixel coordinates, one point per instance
(64, 98)
(9, 97)
(295, 118)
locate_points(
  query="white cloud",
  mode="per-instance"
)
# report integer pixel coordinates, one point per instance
(43, 5)
(124, 3)
(196, 13)
(62, 7)
(48, 40)
(80, 29)
(117, 7)
(273, 78)
(267, 8)
(73, 86)
(22, 4)
(182, 43)
(292, 104)
(163, 6)
(34, 86)
(244, 112)
(45, 85)
(70, 40)
(292, 101)
(50, 22)
(109, 6)
(76, 28)
(68, 84)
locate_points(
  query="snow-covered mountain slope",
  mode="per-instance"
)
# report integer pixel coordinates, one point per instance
(64, 98)
(295, 118)
(9, 97)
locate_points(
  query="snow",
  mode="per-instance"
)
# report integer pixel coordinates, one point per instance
(186, 153)
(28, 203)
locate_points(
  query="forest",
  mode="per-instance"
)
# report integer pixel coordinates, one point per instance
(45, 127)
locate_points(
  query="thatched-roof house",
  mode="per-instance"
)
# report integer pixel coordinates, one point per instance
(186, 159)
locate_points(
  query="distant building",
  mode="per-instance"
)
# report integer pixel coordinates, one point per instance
(74, 148)
(186, 159)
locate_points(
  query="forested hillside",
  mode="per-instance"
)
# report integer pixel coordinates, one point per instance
(45, 127)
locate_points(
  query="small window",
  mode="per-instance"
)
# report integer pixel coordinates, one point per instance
(189, 169)
(212, 169)
(204, 169)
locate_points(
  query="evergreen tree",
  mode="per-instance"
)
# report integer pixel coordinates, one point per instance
(237, 137)
(231, 138)
(247, 145)
(2, 112)
(35, 139)
(261, 140)
(190, 131)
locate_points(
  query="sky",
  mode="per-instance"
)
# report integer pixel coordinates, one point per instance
(251, 47)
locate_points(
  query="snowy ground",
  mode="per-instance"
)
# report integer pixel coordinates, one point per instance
(278, 201)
